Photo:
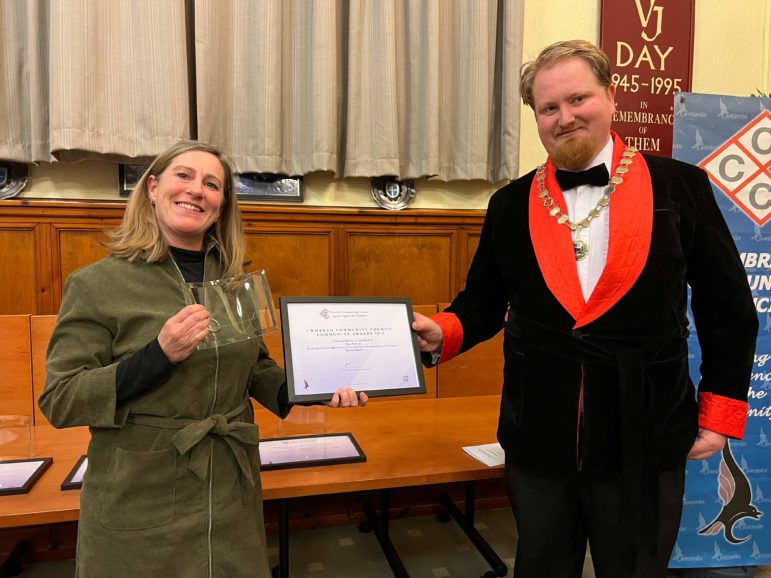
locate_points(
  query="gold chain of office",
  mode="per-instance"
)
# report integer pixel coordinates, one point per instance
(562, 218)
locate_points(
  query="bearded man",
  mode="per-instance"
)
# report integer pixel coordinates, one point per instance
(585, 263)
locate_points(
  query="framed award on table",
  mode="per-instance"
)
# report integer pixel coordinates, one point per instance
(74, 480)
(309, 451)
(18, 476)
(365, 343)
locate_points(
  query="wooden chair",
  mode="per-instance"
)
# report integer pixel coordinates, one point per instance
(16, 384)
(41, 328)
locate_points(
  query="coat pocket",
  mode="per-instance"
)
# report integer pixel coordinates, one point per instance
(138, 489)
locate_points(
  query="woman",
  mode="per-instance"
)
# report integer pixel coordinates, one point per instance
(172, 486)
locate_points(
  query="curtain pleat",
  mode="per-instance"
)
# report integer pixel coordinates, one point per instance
(419, 65)
(505, 118)
(118, 78)
(359, 88)
(372, 127)
(24, 78)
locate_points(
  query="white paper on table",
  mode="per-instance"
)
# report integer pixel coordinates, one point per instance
(489, 454)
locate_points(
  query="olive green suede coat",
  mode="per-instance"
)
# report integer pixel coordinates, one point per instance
(172, 487)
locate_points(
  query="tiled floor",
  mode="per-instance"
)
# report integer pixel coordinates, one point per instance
(428, 548)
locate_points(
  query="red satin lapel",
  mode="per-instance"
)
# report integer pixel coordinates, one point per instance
(631, 222)
(553, 246)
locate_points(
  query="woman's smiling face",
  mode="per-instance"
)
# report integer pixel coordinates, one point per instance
(188, 198)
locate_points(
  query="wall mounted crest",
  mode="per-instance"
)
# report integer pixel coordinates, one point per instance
(391, 193)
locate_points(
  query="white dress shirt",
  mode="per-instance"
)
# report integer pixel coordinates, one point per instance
(580, 200)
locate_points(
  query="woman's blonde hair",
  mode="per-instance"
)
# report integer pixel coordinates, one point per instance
(591, 54)
(139, 237)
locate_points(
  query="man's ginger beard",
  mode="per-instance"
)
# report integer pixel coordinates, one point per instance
(574, 154)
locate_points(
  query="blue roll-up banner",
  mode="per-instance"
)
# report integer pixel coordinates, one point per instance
(727, 504)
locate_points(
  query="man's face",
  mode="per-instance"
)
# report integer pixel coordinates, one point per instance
(573, 112)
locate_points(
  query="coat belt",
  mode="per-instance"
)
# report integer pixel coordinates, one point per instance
(192, 432)
(640, 485)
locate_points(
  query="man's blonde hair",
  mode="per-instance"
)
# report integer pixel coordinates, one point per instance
(139, 237)
(591, 54)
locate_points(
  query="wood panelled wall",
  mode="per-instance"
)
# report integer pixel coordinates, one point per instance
(421, 254)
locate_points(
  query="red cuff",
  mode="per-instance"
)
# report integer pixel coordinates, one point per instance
(452, 335)
(722, 414)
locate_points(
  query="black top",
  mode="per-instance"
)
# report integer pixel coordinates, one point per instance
(190, 263)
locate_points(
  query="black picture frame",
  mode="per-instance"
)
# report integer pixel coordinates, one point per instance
(29, 481)
(128, 177)
(298, 381)
(269, 187)
(73, 481)
(311, 460)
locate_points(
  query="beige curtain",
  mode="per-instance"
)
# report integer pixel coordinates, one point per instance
(267, 82)
(357, 87)
(24, 81)
(118, 78)
(362, 87)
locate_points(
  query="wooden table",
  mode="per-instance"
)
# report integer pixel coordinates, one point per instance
(407, 443)
(46, 503)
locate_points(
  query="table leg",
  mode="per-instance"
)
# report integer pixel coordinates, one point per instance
(379, 524)
(466, 522)
(281, 570)
(11, 566)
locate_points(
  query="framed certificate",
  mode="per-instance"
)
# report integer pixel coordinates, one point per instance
(307, 451)
(74, 480)
(365, 343)
(18, 476)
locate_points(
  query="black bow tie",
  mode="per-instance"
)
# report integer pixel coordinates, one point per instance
(597, 176)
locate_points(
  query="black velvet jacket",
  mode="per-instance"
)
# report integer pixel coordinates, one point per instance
(630, 365)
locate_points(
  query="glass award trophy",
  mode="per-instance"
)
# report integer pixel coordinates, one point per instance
(240, 307)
